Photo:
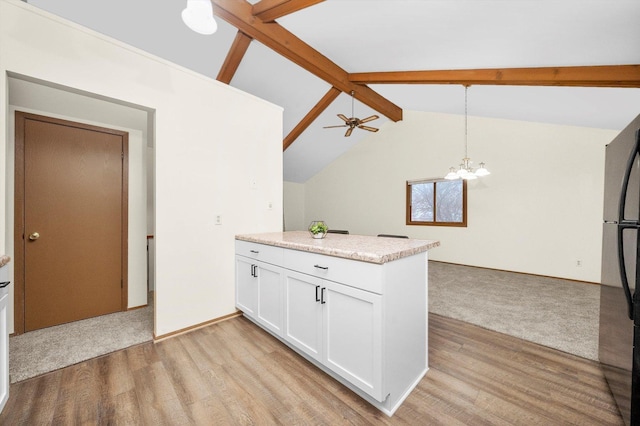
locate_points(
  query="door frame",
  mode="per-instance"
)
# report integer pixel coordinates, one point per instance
(19, 214)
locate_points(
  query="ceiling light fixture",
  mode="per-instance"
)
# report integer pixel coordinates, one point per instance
(198, 16)
(466, 171)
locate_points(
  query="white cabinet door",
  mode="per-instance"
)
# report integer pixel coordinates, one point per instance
(259, 292)
(353, 336)
(269, 297)
(339, 326)
(246, 286)
(303, 313)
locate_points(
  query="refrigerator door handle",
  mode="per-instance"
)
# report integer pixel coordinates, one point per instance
(623, 270)
(625, 181)
(626, 224)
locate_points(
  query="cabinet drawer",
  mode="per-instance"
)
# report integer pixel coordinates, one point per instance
(262, 252)
(362, 275)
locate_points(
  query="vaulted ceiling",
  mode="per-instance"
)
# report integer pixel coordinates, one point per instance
(569, 62)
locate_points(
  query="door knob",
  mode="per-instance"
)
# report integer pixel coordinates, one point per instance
(34, 236)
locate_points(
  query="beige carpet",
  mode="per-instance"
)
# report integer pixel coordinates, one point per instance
(557, 313)
(48, 349)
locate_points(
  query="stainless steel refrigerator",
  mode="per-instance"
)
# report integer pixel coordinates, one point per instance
(619, 346)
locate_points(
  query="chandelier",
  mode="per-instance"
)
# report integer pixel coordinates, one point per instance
(465, 171)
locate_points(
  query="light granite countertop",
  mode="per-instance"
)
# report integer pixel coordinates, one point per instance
(356, 247)
(4, 259)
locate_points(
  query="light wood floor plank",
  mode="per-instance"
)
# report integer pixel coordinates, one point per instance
(124, 409)
(544, 391)
(157, 397)
(234, 373)
(115, 374)
(141, 356)
(184, 374)
(210, 410)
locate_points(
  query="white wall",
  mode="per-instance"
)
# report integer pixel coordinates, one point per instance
(540, 211)
(207, 159)
(294, 207)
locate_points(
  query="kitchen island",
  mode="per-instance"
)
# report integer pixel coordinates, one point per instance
(354, 305)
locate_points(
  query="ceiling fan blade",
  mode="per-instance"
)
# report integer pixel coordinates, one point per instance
(343, 117)
(371, 129)
(373, 117)
(331, 127)
(349, 130)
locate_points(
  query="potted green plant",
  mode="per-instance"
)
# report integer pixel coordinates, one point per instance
(318, 229)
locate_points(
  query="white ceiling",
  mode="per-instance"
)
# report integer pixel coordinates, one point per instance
(393, 35)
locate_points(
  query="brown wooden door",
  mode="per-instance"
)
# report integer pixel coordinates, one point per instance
(71, 195)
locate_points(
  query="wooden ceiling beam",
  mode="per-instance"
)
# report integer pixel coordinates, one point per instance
(270, 10)
(326, 100)
(234, 56)
(239, 14)
(584, 76)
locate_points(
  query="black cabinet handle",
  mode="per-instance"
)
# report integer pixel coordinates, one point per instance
(321, 267)
(254, 251)
(254, 270)
(6, 283)
(317, 296)
(322, 301)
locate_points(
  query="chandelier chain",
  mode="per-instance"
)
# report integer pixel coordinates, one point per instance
(466, 171)
(352, 96)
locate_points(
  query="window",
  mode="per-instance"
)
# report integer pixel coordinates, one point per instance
(437, 202)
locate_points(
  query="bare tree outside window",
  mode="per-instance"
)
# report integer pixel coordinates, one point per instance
(422, 202)
(449, 201)
(437, 202)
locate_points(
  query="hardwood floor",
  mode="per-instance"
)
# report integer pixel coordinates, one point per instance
(235, 373)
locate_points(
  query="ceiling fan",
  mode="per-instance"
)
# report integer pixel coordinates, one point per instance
(354, 122)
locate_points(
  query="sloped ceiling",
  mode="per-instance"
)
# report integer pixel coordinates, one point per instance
(399, 35)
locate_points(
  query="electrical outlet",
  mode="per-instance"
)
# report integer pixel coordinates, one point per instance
(578, 263)
(218, 219)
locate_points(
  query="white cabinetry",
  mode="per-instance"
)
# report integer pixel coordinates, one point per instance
(270, 297)
(259, 285)
(246, 286)
(363, 323)
(352, 329)
(337, 325)
(303, 313)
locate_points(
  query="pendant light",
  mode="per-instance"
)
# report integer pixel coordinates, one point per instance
(465, 171)
(198, 16)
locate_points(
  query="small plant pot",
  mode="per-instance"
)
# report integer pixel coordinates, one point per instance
(318, 229)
